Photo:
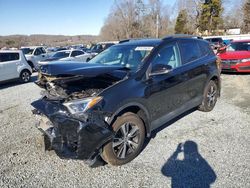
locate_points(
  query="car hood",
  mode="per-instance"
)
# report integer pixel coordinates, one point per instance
(70, 68)
(235, 55)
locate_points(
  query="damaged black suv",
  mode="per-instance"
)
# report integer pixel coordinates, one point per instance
(104, 109)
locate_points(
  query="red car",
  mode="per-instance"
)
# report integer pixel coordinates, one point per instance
(236, 57)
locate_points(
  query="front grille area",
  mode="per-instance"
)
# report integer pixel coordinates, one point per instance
(230, 62)
(245, 68)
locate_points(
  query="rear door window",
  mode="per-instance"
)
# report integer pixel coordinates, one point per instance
(205, 48)
(80, 53)
(9, 57)
(74, 53)
(43, 51)
(190, 50)
(168, 55)
(38, 51)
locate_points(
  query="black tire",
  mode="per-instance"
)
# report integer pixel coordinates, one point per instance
(88, 60)
(127, 142)
(209, 97)
(25, 76)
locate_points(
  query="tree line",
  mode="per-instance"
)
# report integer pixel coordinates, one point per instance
(151, 18)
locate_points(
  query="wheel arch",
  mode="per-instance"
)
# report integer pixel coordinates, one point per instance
(135, 108)
(25, 69)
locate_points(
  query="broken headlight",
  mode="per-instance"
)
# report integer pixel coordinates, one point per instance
(80, 106)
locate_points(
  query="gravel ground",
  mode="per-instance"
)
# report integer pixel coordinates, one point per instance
(222, 157)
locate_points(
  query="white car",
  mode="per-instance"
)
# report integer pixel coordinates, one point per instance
(69, 55)
(34, 54)
(13, 65)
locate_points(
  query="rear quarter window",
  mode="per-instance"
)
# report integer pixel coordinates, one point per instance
(205, 48)
(190, 51)
(9, 57)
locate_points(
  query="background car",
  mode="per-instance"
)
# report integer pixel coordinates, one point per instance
(34, 54)
(236, 57)
(101, 46)
(215, 42)
(70, 55)
(13, 65)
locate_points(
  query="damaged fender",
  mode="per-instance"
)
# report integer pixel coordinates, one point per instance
(79, 137)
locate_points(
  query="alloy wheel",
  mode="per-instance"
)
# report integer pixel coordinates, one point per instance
(126, 140)
(25, 76)
(211, 96)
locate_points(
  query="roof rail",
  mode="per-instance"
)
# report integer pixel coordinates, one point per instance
(181, 36)
(130, 39)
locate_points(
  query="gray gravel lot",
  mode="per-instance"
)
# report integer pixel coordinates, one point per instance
(222, 137)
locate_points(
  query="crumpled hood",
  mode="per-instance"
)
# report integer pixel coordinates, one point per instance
(59, 68)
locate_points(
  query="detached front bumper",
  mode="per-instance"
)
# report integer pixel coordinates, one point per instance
(71, 137)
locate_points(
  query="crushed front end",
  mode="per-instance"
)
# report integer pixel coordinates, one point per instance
(75, 137)
(70, 115)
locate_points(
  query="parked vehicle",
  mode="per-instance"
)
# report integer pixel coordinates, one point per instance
(108, 106)
(216, 43)
(13, 65)
(34, 54)
(236, 57)
(101, 46)
(69, 55)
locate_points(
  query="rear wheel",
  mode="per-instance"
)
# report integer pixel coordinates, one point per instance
(25, 76)
(210, 97)
(127, 142)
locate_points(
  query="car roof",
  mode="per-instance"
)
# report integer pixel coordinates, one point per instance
(245, 40)
(155, 41)
(32, 47)
(70, 50)
(141, 42)
(10, 51)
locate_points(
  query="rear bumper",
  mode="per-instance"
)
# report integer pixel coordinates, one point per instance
(71, 137)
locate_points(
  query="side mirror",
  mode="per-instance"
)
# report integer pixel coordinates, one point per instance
(160, 69)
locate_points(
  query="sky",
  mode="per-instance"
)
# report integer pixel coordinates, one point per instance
(56, 17)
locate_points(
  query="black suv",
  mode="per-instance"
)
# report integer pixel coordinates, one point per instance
(104, 109)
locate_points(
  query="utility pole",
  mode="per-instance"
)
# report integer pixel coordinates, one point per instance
(157, 25)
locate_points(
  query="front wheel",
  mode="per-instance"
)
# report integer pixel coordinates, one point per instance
(127, 142)
(209, 97)
(25, 76)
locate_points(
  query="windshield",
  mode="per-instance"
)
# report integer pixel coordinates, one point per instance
(239, 46)
(128, 56)
(27, 51)
(61, 54)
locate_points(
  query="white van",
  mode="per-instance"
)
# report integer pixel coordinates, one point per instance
(13, 65)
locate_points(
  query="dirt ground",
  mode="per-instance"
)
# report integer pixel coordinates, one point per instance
(216, 147)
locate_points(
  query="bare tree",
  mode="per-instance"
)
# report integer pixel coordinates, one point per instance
(136, 19)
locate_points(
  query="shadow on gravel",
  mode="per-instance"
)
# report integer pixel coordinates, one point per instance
(190, 171)
(154, 132)
(15, 82)
(235, 73)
